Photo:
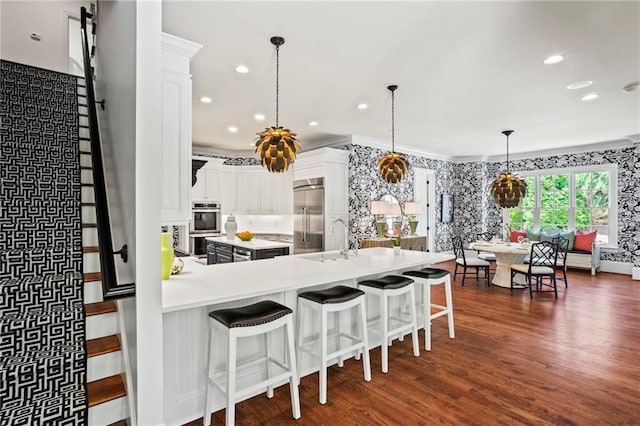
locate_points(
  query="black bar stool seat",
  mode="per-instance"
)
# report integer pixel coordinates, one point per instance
(337, 294)
(388, 282)
(250, 315)
(428, 273)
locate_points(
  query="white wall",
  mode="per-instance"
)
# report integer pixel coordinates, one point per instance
(116, 82)
(150, 379)
(47, 18)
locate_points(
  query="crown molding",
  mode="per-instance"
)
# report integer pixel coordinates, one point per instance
(207, 151)
(179, 45)
(634, 138)
(576, 149)
(385, 146)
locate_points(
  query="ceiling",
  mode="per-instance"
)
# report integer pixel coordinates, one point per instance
(465, 71)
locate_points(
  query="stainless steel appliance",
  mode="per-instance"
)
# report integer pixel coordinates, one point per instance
(198, 243)
(241, 254)
(308, 219)
(205, 218)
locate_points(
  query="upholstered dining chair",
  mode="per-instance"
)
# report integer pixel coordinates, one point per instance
(468, 263)
(542, 261)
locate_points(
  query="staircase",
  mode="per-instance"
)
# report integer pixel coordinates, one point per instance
(106, 385)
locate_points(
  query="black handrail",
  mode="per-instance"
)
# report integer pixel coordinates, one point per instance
(110, 287)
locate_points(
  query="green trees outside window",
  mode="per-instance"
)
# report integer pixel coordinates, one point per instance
(565, 200)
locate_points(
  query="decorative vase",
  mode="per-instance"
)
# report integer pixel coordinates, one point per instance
(380, 226)
(231, 227)
(413, 224)
(166, 253)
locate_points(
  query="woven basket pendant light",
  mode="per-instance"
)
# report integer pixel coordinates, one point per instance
(393, 166)
(277, 146)
(508, 189)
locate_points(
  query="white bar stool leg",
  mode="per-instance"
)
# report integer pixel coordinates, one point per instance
(294, 379)
(366, 364)
(449, 300)
(414, 318)
(211, 362)
(266, 346)
(231, 380)
(323, 356)
(299, 336)
(384, 322)
(426, 289)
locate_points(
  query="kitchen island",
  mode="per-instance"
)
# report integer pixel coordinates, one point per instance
(187, 299)
(223, 250)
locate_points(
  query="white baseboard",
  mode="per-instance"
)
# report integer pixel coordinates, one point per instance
(636, 273)
(616, 267)
(128, 375)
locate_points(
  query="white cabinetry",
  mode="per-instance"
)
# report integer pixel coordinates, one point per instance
(332, 165)
(176, 129)
(208, 179)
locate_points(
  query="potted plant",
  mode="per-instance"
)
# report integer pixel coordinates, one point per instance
(395, 244)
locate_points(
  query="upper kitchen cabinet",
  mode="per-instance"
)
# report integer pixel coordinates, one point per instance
(176, 129)
(261, 192)
(208, 181)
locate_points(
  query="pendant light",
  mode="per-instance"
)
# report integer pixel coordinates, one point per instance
(393, 166)
(508, 189)
(277, 146)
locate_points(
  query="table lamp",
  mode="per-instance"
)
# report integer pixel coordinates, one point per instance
(378, 210)
(412, 209)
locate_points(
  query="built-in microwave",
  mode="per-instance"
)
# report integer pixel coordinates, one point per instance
(205, 218)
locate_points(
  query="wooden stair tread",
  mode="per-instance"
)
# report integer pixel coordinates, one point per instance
(86, 168)
(105, 390)
(92, 277)
(91, 249)
(89, 225)
(86, 185)
(98, 308)
(88, 204)
(103, 345)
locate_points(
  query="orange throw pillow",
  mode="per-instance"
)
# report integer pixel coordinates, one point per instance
(584, 240)
(516, 234)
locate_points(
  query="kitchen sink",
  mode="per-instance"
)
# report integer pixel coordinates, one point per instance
(327, 257)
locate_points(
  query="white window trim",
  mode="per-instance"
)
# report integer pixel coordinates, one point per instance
(613, 196)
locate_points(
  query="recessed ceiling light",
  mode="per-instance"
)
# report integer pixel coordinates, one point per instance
(232, 129)
(205, 100)
(242, 69)
(259, 117)
(313, 123)
(589, 97)
(631, 87)
(579, 84)
(553, 60)
(363, 106)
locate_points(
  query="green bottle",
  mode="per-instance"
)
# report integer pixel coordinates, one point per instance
(166, 253)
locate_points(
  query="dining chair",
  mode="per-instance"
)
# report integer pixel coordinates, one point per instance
(561, 261)
(485, 255)
(466, 263)
(542, 261)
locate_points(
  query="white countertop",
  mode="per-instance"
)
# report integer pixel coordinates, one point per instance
(254, 244)
(200, 285)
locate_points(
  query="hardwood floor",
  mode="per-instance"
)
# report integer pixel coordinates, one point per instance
(515, 360)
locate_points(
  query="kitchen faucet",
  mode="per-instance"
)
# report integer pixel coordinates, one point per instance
(345, 249)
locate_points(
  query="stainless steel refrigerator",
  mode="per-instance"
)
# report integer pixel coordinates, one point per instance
(308, 220)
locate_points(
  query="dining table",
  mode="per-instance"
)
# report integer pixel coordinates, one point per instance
(507, 254)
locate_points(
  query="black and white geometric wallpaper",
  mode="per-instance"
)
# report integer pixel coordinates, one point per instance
(42, 344)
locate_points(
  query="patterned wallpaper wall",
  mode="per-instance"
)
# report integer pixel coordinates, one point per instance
(628, 161)
(474, 209)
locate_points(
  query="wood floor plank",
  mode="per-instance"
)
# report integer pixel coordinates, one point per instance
(103, 345)
(514, 360)
(98, 308)
(106, 389)
(91, 249)
(92, 277)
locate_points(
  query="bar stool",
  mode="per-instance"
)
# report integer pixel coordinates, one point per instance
(252, 320)
(386, 287)
(429, 277)
(335, 299)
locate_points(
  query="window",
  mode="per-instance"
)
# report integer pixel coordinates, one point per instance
(578, 199)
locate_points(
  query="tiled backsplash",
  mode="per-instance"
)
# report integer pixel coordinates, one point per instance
(263, 224)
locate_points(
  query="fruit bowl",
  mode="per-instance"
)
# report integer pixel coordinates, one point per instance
(245, 235)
